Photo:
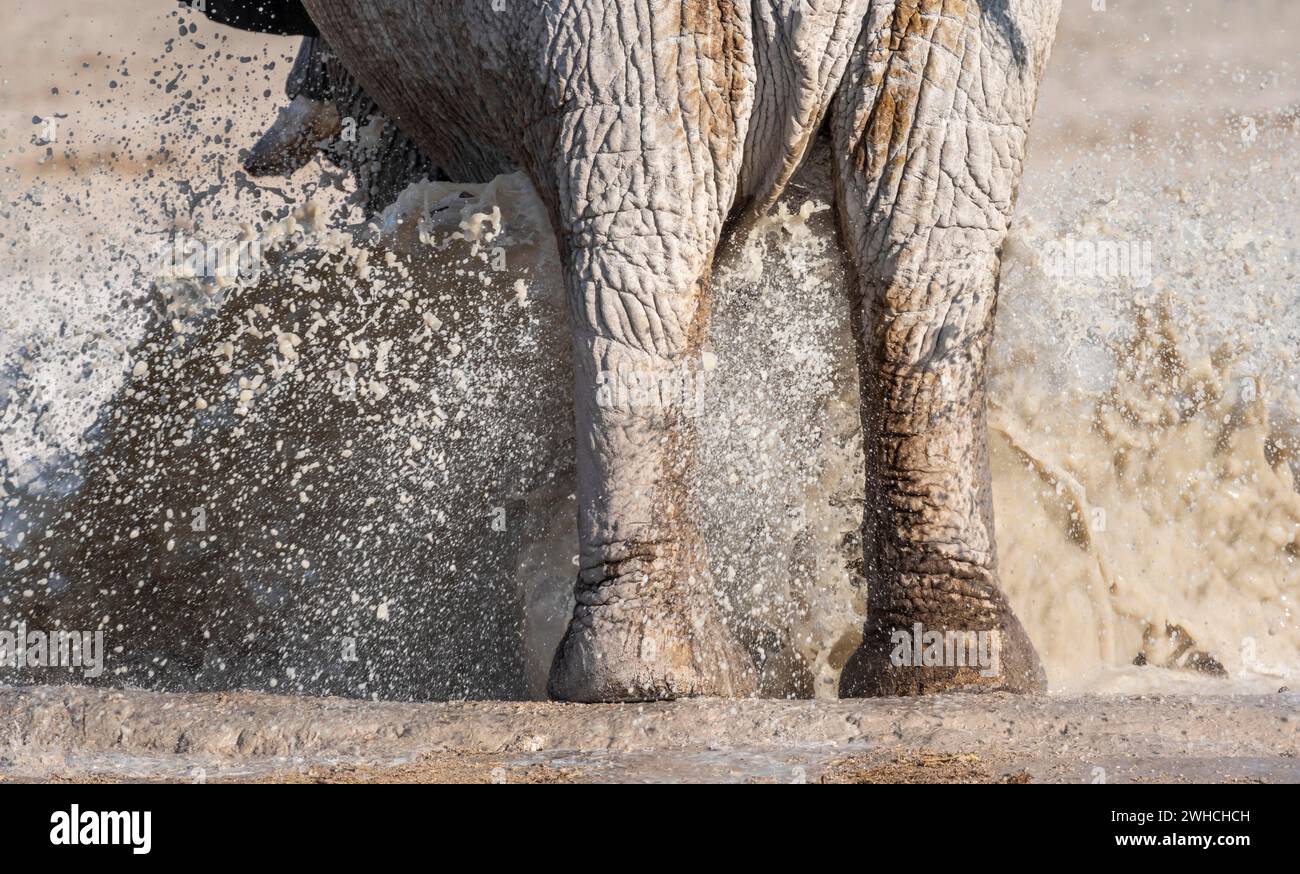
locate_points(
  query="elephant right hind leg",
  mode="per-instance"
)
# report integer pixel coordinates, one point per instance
(929, 129)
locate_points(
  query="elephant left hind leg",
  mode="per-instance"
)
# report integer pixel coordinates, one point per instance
(929, 129)
(645, 626)
(645, 167)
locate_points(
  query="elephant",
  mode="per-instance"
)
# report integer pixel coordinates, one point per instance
(654, 130)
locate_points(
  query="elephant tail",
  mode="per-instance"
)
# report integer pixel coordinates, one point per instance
(281, 17)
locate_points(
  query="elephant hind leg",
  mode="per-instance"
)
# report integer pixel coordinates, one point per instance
(644, 171)
(645, 626)
(640, 215)
(929, 127)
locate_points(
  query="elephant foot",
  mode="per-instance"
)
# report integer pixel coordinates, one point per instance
(294, 137)
(915, 654)
(648, 647)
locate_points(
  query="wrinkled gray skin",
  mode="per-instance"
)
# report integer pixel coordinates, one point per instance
(650, 129)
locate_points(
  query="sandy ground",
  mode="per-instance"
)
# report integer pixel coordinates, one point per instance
(58, 733)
